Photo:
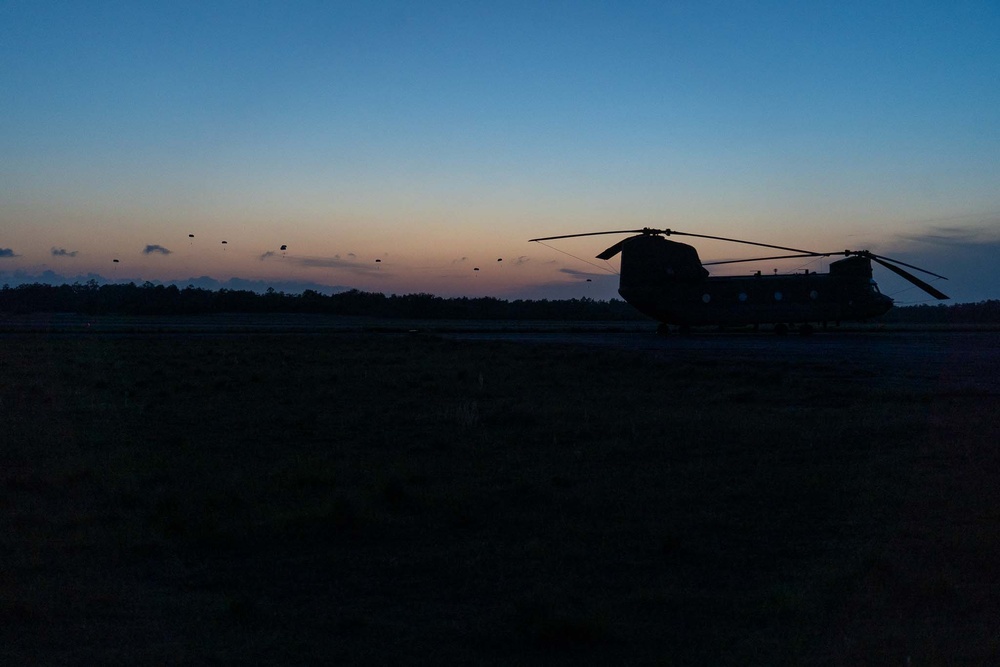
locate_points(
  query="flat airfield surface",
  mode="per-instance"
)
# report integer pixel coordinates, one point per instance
(957, 352)
(956, 358)
(290, 491)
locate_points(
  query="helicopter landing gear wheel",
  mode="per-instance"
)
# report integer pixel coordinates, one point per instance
(806, 330)
(781, 329)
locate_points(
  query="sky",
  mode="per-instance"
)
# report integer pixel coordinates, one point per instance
(398, 146)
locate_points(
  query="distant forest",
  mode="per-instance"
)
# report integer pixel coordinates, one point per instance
(151, 299)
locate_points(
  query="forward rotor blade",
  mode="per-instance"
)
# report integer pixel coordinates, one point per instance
(671, 232)
(571, 236)
(756, 259)
(612, 251)
(912, 278)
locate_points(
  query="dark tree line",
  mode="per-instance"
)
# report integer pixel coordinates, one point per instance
(983, 312)
(149, 299)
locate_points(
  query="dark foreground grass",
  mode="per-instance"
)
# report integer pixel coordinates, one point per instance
(332, 499)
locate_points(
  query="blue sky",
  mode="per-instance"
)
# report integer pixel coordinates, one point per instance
(437, 137)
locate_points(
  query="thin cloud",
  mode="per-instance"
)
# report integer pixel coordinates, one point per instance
(7, 252)
(155, 249)
(598, 287)
(266, 255)
(62, 252)
(336, 262)
(523, 259)
(952, 236)
(581, 274)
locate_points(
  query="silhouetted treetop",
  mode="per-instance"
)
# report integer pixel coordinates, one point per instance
(150, 299)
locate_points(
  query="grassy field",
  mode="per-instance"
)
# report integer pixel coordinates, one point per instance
(343, 497)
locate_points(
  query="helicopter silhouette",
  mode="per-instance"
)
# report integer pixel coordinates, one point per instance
(667, 281)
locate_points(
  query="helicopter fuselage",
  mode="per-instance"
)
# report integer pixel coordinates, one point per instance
(665, 280)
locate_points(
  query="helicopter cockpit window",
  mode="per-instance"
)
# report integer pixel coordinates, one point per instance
(874, 287)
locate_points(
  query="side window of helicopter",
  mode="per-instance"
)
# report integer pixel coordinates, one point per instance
(706, 298)
(743, 297)
(777, 296)
(814, 295)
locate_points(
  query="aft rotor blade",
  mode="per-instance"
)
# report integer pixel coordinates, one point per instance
(571, 236)
(937, 294)
(612, 251)
(807, 253)
(755, 259)
(896, 261)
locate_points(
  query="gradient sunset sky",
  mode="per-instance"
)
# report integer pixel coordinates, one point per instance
(437, 137)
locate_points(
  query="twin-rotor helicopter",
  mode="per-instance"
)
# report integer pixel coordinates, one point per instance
(667, 281)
